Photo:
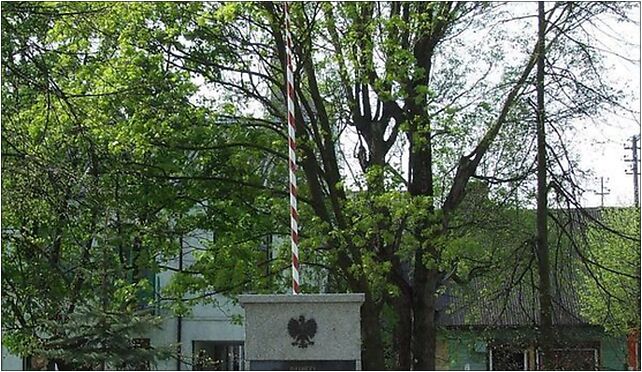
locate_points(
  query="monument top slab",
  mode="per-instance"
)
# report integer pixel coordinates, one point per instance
(302, 298)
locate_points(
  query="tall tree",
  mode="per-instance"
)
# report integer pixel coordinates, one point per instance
(105, 158)
(82, 228)
(543, 265)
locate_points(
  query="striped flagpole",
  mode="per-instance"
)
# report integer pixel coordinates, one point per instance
(294, 216)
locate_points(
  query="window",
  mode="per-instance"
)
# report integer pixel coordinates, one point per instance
(573, 359)
(217, 356)
(507, 358)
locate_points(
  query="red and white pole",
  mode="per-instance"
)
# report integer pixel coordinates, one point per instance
(294, 216)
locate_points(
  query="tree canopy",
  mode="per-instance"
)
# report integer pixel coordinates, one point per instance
(611, 279)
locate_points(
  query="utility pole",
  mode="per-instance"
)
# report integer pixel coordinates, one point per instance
(602, 191)
(635, 170)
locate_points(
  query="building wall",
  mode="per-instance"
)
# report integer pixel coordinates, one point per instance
(205, 322)
(10, 362)
(459, 349)
(210, 323)
(613, 352)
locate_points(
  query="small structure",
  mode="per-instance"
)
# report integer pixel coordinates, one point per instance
(302, 332)
(499, 331)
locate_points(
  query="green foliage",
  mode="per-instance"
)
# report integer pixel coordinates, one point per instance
(90, 337)
(83, 217)
(610, 290)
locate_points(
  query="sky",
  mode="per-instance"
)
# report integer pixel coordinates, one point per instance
(603, 151)
(599, 142)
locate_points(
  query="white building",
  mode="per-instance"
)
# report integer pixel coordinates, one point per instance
(208, 338)
(208, 331)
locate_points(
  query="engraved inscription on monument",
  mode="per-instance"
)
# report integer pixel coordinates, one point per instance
(303, 365)
(302, 331)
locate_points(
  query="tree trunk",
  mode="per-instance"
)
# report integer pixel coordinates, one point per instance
(424, 326)
(372, 357)
(543, 266)
(403, 332)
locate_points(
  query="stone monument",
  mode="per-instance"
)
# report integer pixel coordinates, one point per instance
(305, 332)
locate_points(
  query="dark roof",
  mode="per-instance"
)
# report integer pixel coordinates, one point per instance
(486, 302)
(476, 305)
